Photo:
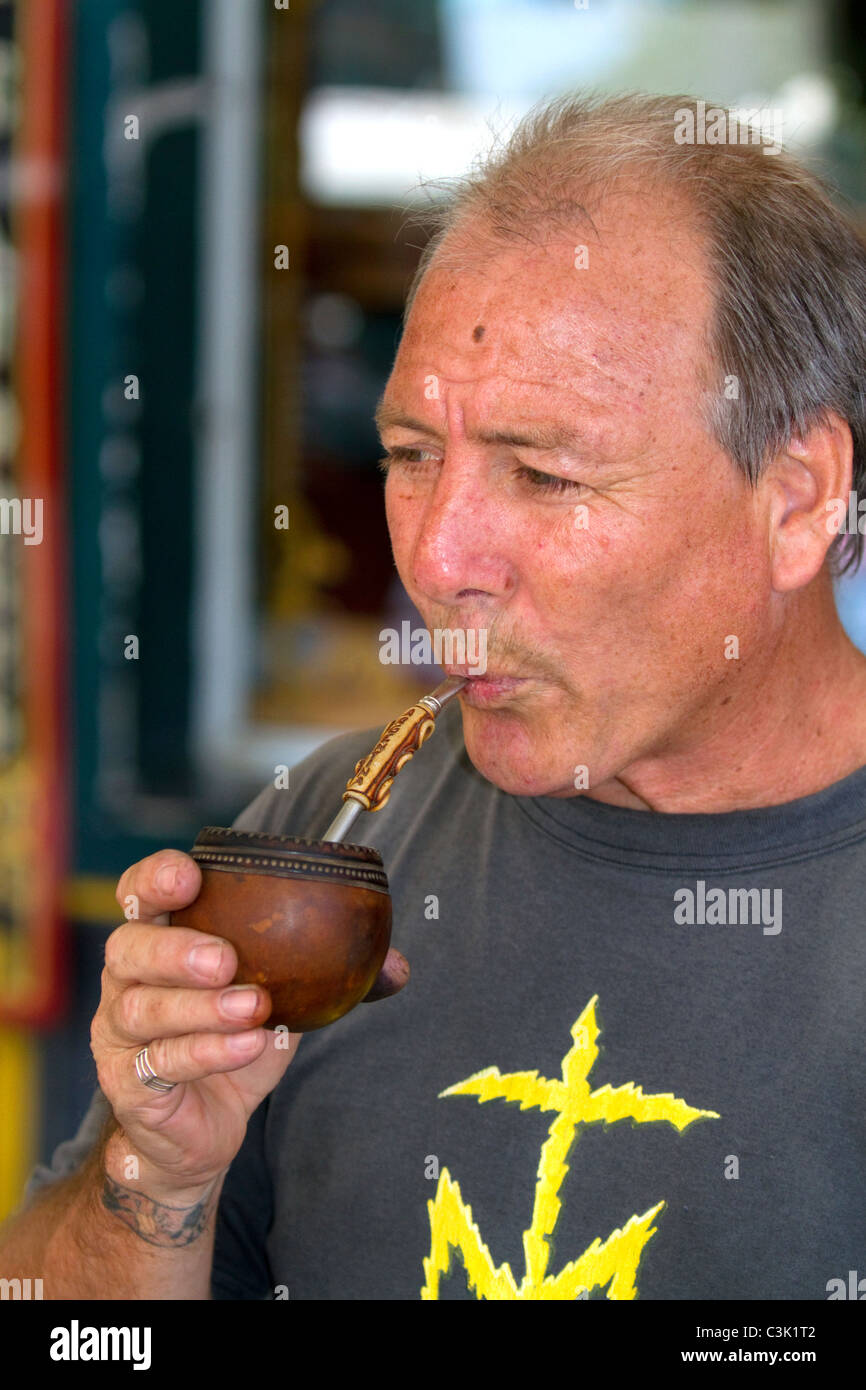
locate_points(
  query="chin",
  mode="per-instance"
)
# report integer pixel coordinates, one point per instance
(514, 757)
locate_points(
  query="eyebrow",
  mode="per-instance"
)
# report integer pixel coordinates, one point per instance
(544, 437)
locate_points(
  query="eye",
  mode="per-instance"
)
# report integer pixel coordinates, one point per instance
(547, 482)
(409, 459)
(406, 457)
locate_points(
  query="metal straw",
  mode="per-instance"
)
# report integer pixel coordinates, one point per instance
(352, 807)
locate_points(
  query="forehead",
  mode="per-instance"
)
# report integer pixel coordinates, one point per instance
(619, 305)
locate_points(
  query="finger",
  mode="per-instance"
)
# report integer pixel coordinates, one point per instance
(138, 952)
(163, 882)
(390, 979)
(142, 1012)
(196, 1056)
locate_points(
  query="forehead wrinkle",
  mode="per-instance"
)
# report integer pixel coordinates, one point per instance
(630, 345)
(602, 375)
(611, 355)
(589, 390)
(565, 428)
(563, 313)
(392, 414)
(606, 362)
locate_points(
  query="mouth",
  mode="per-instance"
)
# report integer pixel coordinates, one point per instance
(490, 688)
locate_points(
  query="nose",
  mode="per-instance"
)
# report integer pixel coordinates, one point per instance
(461, 539)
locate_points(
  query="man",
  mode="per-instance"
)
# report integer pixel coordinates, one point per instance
(629, 870)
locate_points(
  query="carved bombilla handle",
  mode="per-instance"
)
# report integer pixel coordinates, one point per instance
(370, 785)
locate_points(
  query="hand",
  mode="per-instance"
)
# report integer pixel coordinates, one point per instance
(171, 991)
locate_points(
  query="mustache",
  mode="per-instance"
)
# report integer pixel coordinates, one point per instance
(506, 651)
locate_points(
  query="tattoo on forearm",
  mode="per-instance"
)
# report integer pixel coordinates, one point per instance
(158, 1224)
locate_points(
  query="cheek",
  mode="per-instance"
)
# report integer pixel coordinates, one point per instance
(401, 516)
(669, 578)
(571, 554)
(682, 591)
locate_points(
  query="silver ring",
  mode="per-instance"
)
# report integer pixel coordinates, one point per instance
(145, 1072)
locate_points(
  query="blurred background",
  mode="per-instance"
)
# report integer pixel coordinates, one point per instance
(204, 252)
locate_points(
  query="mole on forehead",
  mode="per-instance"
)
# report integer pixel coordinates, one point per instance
(478, 333)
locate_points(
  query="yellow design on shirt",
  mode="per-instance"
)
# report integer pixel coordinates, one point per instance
(613, 1262)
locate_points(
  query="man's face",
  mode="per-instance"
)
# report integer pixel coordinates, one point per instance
(611, 553)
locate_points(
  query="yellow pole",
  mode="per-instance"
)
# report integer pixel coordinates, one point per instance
(19, 1106)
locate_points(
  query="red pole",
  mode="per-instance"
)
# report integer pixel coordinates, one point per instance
(38, 229)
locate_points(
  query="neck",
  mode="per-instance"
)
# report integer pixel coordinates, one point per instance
(792, 722)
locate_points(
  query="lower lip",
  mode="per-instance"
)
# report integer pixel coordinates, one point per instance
(479, 691)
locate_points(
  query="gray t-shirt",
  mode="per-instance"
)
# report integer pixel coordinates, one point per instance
(629, 1060)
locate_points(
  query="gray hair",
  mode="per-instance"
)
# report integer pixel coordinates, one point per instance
(789, 322)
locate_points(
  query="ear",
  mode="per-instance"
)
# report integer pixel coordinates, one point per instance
(806, 489)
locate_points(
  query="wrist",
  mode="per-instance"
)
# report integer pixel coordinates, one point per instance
(126, 1167)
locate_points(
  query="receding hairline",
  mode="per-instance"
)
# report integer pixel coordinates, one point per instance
(466, 244)
(471, 246)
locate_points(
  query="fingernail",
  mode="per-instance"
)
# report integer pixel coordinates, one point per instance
(205, 960)
(243, 1042)
(239, 1002)
(166, 879)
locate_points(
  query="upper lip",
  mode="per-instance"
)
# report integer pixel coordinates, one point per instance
(481, 675)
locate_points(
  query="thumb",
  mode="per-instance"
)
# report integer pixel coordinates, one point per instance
(390, 979)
